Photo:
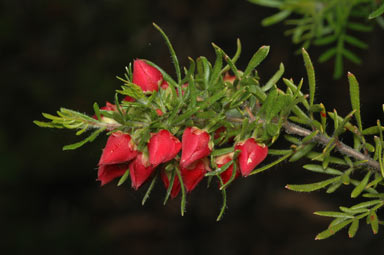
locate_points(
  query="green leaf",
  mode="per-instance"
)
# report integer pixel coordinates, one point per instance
(183, 194)
(44, 124)
(86, 140)
(97, 111)
(149, 190)
(353, 211)
(339, 65)
(355, 42)
(320, 169)
(359, 27)
(333, 187)
(123, 178)
(361, 186)
(312, 186)
(216, 70)
(316, 156)
(175, 61)
(224, 196)
(353, 228)
(302, 151)
(269, 104)
(372, 130)
(233, 60)
(219, 170)
(351, 56)
(261, 169)
(332, 230)
(325, 40)
(374, 221)
(274, 79)
(376, 13)
(278, 152)
(310, 75)
(327, 55)
(333, 214)
(218, 152)
(256, 59)
(366, 204)
(296, 90)
(275, 18)
(171, 182)
(231, 179)
(267, 3)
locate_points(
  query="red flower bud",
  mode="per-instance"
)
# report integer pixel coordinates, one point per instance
(146, 76)
(140, 169)
(119, 149)
(162, 147)
(165, 177)
(193, 174)
(251, 154)
(107, 173)
(159, 112)
(195, 145)
(129, 99)
(221, 161)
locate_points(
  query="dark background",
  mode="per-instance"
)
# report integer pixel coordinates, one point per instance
(67, 53)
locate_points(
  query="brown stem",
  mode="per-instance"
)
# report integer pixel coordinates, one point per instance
(344, 149)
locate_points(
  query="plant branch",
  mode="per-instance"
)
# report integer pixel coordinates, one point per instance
(344, 149)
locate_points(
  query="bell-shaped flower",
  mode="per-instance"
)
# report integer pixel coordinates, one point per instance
(107, 173)
(119, 149)
(146, 76)
(227, 174)
(166, 177)
(140, 170)
(251, 154)
(195, 145)
(194, 173)
(163, 147)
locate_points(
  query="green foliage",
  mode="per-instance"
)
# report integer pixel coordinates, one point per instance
(333, 24)
(247, 108)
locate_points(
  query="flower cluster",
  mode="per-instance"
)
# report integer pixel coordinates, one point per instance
(163, 153)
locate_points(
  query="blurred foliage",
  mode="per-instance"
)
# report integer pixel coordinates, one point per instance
(334, 24)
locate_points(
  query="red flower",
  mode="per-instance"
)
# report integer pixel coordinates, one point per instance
(118, 151)
(140, 169)
(107, 173)
(195, 145)
(221, 161)
(146, 76)
(193, 174)
(162, 147)
(251, 154)
(165, 177)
